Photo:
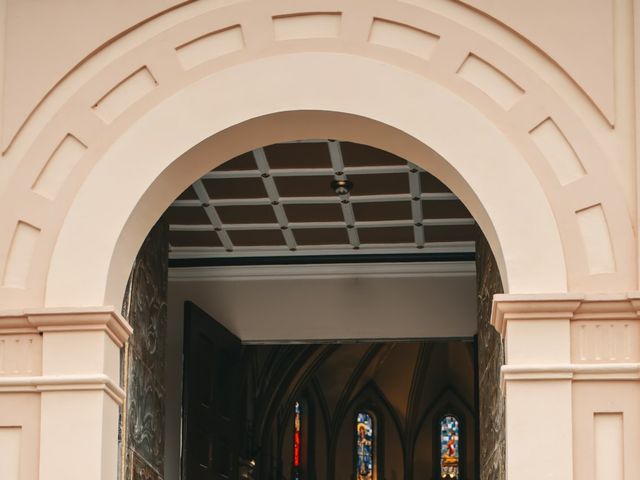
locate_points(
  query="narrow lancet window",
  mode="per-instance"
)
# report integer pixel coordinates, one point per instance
(297, 430)
(449, 447)
(365, 442)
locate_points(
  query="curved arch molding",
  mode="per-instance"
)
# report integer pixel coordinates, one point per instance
(113, 143)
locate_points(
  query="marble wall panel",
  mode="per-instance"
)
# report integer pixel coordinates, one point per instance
(490, 359)
(145, 307)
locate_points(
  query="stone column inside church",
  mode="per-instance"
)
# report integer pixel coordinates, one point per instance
(490, 359)
(145, 307)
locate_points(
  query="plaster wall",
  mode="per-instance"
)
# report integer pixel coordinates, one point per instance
(137, 82)
(583, 387)
(19, 433)
(578, 36)
(347, 307)
(60, 394)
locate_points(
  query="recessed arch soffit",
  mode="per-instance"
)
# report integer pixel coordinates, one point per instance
(550, 120)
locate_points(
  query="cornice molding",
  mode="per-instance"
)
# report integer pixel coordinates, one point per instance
(66, 320)
(328, 271)
(60, 383)
(569, 306)
(574, 372)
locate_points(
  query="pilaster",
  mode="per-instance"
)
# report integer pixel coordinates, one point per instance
(64, 364)
(572, 385)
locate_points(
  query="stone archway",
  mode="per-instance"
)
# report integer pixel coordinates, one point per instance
(105, 151)
(175, 177)
(549, 122)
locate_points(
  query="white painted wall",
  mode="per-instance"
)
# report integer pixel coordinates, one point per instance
(326, 302)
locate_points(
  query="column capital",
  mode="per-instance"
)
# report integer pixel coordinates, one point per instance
(67, 320)
(508, 307)
(571, 306)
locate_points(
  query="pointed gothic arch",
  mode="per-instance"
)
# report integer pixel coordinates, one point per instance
(387, 427)
(447, 402)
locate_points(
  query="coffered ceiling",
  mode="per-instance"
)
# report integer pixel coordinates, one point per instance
(279, 201)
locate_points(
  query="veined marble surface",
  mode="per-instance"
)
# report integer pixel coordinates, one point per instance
(145, 307)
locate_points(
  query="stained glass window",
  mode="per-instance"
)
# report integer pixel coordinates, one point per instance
(297, 430)
(449, 447)
(364, 446)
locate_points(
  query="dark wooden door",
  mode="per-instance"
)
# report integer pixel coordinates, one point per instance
(210, 411)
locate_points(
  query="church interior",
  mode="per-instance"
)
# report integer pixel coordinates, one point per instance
(405, 388)
(310, 310)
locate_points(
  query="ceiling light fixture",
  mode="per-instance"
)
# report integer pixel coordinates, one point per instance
(341, 187)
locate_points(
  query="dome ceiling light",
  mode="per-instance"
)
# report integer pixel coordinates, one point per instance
(341, 187)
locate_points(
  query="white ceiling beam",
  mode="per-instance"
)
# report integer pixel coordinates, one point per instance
(260, 156)
(324, 271)
(227, 202)
(226, 240)
(415, 189)
(432, 222)
(221, 174)
(307, 172)
(335, 154)
(310, 140)
(201, 192)
(269, 184)
(337, 163)
(212, 214)
(290, 239)
(333, 199)
(368, 249)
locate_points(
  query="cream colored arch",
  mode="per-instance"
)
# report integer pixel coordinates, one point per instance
(556, 216)
(421, 109)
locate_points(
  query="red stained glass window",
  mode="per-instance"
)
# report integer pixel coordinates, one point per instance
(297, 430)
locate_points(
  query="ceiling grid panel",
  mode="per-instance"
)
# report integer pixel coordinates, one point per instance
(337, 163)
(214, 218)
(416, 205)
(281, 200)
(264, 169)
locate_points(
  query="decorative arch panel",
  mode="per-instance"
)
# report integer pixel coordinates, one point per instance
(81, 123)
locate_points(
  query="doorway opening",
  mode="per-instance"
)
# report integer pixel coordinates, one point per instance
(404, 409)
(338, 285)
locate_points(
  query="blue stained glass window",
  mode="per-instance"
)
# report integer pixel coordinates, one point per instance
(449, 447)
(364, 446)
